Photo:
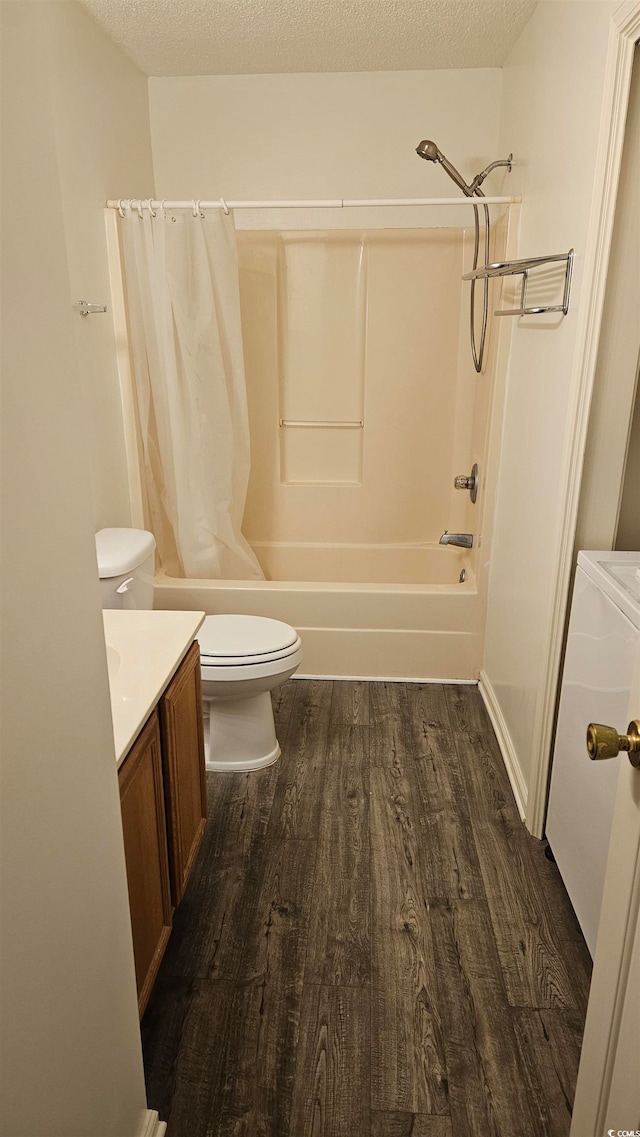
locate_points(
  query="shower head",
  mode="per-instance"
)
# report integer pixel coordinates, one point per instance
(429, 151)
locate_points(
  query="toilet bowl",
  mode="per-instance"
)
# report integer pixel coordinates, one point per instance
(243, 658)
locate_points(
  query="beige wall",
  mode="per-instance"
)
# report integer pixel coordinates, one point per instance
(321, 136)
(552, 94)
(100, 109)
(71, 1059)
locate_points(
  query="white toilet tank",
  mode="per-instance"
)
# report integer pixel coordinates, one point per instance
(125, 565)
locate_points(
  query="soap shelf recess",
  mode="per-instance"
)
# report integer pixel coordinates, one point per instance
(522, 267)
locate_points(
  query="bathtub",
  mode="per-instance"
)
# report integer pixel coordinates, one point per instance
(426, 625)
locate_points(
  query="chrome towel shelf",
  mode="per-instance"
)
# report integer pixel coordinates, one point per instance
(523, 267)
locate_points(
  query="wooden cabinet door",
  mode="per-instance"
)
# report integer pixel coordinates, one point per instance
(145, 847)
(183, 767)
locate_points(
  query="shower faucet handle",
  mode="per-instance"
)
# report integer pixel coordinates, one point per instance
(462, 482)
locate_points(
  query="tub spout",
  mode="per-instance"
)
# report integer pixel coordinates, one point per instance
(464, 540)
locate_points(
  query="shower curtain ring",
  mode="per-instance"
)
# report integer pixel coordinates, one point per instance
(120, 207)
(224, 206)
(140, 204)
(199, 208)
(152, 211)
(195, 207)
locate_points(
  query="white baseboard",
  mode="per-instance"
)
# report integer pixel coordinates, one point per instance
(507, 749)
(151, 1125)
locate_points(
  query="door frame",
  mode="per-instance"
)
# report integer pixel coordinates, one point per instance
(607, 1084)
(623, 35)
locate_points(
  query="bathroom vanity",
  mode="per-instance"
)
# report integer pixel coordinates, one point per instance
(156, 701)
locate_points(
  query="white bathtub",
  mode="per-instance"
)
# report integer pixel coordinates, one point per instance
(424, 626)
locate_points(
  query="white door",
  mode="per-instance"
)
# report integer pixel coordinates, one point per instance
(608, 1091)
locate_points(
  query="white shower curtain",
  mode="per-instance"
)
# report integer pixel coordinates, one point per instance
(181, 285)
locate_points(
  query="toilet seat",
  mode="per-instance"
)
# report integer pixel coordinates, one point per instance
(228, 641)
(248, 660)
(242, 660)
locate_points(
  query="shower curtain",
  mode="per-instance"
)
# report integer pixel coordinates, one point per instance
(183, 304)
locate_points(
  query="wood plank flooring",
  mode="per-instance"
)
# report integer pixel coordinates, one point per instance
(371, 944)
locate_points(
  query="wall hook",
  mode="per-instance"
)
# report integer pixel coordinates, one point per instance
(84, 308)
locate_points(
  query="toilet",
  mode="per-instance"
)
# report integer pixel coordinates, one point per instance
(242, 658)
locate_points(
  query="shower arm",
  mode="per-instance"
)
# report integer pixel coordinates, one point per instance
(432, 153)
(474, 188)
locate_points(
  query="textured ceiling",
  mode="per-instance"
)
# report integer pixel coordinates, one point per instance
(258, 37)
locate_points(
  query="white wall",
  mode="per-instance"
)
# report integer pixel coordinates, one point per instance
(100, 108)
(552, 95)
(70, 1044)
(321, 136)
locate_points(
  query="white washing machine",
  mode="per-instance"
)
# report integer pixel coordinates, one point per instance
(598, 669)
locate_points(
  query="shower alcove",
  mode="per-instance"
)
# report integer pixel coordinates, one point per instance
(364, 405)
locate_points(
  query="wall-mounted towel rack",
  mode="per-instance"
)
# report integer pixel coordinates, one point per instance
(522, 267)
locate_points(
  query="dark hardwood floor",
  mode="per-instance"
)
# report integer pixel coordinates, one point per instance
(371, 943)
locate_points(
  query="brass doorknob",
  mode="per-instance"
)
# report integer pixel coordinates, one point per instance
(605, 742)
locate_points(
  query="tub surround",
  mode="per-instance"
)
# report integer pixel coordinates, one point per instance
(355, 630)
(365, 330)
(144, 650)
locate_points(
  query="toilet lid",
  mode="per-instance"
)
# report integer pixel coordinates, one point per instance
(245, 637)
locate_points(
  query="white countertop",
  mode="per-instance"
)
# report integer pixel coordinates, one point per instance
(144, 650)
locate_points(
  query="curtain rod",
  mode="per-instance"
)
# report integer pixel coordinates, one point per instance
(197, 206)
